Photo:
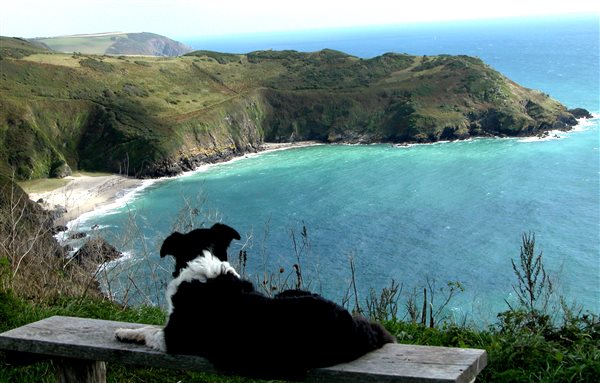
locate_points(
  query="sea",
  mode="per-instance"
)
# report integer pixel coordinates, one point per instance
(360, 218)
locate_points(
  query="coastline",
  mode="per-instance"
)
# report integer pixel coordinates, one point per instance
(85, 194)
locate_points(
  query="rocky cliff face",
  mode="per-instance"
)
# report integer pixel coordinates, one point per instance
(216, 136)
(149, 44)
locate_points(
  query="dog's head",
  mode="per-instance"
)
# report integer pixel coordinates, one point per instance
(186, 247)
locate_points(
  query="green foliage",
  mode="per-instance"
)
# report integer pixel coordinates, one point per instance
(221, 58)
(546, 353)
(533, 282)
(569, 352)
(97, 65)
(147, 115)
(18, 48)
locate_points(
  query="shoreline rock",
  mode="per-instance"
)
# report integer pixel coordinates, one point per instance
(580, 113)
(564, 122)
(95, 252)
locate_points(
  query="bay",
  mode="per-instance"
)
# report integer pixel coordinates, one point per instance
(444, 212)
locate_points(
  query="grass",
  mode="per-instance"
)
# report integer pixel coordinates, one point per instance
(58, 59)
(569, 352)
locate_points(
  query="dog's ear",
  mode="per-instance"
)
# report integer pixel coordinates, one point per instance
(221, 237)
(171, 244)
(224, 233)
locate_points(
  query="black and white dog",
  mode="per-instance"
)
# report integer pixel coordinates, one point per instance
(186, 247)
(214, 313)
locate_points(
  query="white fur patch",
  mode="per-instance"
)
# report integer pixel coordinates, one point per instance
(151, 336)
(201, 269)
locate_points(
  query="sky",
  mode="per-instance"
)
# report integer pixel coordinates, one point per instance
(192, 18)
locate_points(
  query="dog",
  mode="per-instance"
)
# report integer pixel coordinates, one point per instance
(185, 247)
(214, 313)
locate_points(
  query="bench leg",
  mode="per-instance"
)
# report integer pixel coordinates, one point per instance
(70, 370)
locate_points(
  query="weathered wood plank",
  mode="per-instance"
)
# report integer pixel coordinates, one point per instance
(414, 363)
(91, 339)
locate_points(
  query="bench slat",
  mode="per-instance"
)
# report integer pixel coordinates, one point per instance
(414, 363)
(93, 339)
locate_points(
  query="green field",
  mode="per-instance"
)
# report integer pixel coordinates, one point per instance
(82, 44)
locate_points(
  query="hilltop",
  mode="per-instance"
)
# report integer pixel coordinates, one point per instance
(114, 43)
(155, 116)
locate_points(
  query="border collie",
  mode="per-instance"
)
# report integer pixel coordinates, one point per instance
(186, 247)
(214, 313)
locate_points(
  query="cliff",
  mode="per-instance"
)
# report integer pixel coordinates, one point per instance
(156, 116)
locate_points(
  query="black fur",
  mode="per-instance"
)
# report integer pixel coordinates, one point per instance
(185, 247)
(241, 330)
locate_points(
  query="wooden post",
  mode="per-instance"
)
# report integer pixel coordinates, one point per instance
(71, 370)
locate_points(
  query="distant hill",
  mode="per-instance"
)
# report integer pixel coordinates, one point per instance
(115, 43)
(18, 48)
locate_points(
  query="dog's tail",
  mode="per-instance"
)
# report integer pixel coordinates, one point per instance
(372, 335)
(383, 336)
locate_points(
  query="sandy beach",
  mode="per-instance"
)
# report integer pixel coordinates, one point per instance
(83, 194)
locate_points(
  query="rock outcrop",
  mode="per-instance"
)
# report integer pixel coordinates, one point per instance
(94, 252)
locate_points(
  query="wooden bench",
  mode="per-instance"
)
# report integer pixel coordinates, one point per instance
(80, 347)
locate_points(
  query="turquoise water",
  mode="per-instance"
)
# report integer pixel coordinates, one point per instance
(444, 212)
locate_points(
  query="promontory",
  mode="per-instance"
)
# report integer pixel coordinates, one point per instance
(153, 116)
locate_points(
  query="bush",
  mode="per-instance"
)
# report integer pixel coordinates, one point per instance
(527, 344)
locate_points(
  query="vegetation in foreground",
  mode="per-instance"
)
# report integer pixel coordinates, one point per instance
(532, 342)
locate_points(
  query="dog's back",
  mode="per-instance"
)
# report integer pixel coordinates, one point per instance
(239, 329)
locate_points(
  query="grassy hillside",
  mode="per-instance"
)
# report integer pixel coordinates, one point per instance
(116, 43)
(155, 116)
